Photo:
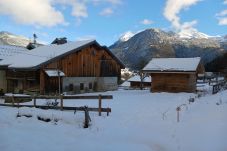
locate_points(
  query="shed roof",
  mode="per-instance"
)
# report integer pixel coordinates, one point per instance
(45, 54)
(136, 78)
(172, 65)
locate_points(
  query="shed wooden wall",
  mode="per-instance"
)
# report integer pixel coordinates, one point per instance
(173, 82)
(135, 84)
(3, 80)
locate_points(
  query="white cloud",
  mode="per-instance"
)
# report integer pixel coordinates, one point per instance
(79, 8)
(44, 13)
(33, 12)
(172, 10)
(225, 1)
(222, 16)
(222, 13)
(106, 12)
(113, 2)
(222, 21)
(146, 22)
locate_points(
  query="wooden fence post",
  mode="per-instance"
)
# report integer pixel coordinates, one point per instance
(34, 101)
(100, 105)
(18, 103)
(107, 112)
(13, 100)
(178, 114)
(61, 98)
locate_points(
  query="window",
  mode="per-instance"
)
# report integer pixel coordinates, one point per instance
(90, 86)
(70, 87)
(81, 86)
(93, 52)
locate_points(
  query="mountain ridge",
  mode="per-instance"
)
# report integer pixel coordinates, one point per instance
(143, 46)
(7, 38)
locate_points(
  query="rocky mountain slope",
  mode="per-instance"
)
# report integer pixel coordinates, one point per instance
(7, 38)
(137, 50)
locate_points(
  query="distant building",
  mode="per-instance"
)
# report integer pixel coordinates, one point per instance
(59, 41)
(81, 66)
(136, 82)
(174, 74)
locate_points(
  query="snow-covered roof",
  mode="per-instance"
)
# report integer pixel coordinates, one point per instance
(125, 84)
(42, 54)
(54, 73)
(8, 50)
(172, 64)
(137, 79)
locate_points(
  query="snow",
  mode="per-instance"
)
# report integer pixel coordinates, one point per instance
(172, 64)
(7, 51)
(125, 84)
(42, 54)
(191, 33)
(126, 36)
(139, 121)
(136, 78)
(54, 73)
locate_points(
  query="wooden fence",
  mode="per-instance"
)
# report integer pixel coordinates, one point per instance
(218, 87)
(15, 103)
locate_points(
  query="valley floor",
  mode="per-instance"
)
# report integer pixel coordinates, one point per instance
(139, 121)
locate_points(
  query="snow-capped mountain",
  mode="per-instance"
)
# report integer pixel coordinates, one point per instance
(7, 38)
(136, 51)
(193, 34)
(126, 36)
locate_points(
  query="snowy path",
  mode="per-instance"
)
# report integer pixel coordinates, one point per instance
(135, 124)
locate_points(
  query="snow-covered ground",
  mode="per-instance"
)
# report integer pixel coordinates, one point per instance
(139, 121)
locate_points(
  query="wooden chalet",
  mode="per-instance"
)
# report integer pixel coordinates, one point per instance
(5, 52)
(75, 67)
(174, 74)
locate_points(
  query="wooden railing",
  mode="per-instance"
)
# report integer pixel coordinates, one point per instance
(15, 103)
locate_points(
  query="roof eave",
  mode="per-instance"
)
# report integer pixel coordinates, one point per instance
(108, 50)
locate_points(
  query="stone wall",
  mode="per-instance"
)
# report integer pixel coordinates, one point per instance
(74, 85)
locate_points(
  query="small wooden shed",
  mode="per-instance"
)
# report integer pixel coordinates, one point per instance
(135, 82)
(174, 74)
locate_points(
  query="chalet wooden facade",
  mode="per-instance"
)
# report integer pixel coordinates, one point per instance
(174, 74)
(83, 64)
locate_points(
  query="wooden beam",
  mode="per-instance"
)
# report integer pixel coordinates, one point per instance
(64, 97)
(42, 82)
(59, 108)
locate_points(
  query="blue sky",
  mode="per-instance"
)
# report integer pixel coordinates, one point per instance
(106, 20)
